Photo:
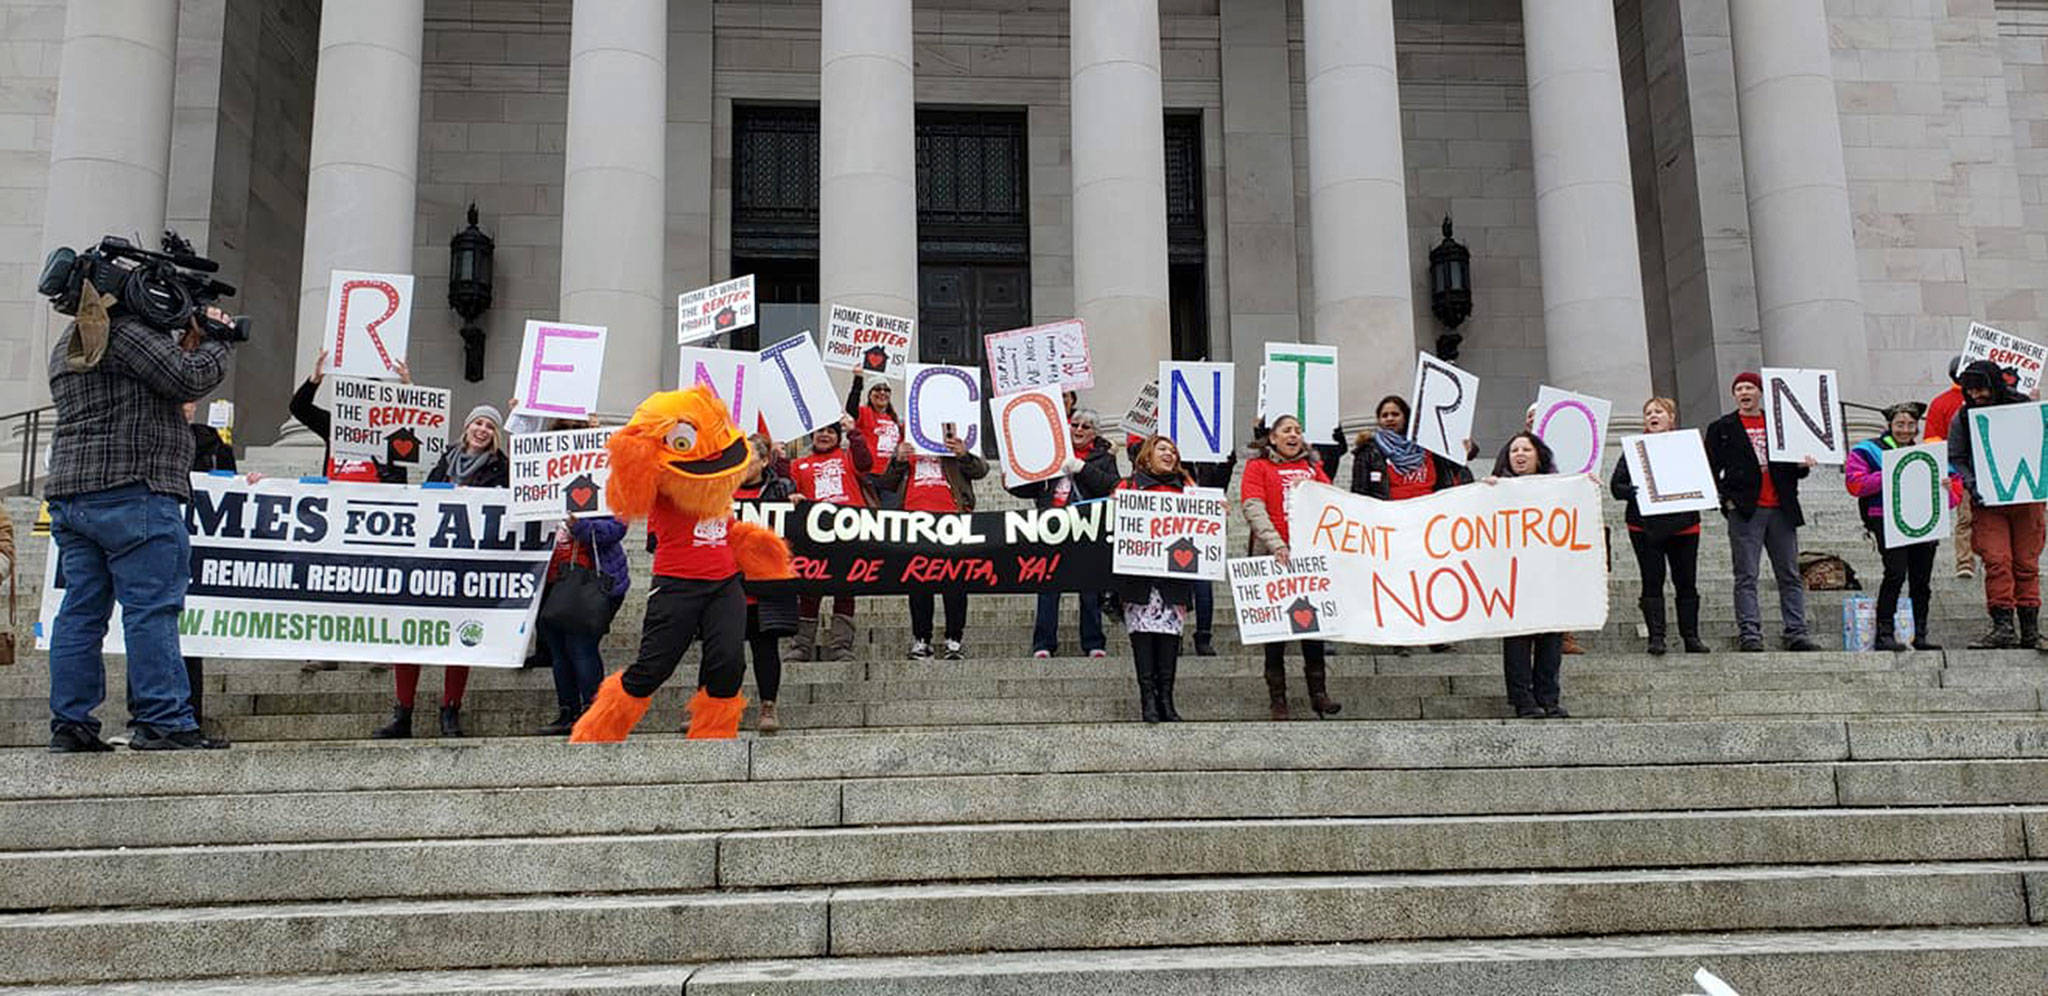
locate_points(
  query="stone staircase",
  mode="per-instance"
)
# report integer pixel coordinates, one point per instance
(1808, 824)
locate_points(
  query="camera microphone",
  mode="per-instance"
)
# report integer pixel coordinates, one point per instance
(200, 263)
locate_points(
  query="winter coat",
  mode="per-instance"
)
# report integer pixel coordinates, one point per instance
(209, 451)
(1962, 453)
(1096, 478)
(1740, 479)
(1370, 476)
(607, 535)
(494, 472)
(1263, 496)
(1655, 528)
(1863, 476)
(961, 473)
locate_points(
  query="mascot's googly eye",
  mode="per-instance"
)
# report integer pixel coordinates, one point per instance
(683, 437)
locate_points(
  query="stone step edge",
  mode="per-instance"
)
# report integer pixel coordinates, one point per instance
(482, 906)
(1687, 950)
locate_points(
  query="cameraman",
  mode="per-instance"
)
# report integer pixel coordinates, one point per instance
(120, 466)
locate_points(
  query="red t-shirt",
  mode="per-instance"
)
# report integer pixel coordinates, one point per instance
(1269, 481)
(882, 431)
(352, 470)
(1940, 412)
(690, 548)
(828, 477)
(1404, 486)
(1754, 425)
(925, 488)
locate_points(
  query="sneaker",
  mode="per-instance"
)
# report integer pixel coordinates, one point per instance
(1041, 654)
(1800, 644)
(149, 739)
(920, 650)
(1098, 653)
(953, 652)
(77, 740)
(1529, 712)
(1556, 712)
(1204, 646)
(1751, 645)
(1966, 572)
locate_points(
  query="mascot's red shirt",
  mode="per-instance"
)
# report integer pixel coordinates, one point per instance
(690, 548)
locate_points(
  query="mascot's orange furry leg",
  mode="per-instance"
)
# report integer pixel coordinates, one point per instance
(715, 719)
(611, 716)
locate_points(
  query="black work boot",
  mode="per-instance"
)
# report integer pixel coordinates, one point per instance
(451, 721)
(1887, 640)
(1162, 684)
(2030, 626)
(1689, 625)
(1653, 621)
(1148, 690)
(400, 727)
(2001, 635)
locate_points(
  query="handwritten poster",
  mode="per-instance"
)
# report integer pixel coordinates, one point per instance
(369, 322)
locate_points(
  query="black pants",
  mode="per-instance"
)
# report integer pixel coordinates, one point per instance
(1312, 661)
(767, 656)
(195, 675)
(1681, 552)
(680, 612)
(1910, 567)
(1530, 664)
(1154, 651)
(921, 614)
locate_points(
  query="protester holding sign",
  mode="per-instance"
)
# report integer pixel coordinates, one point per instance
(1863, 474)
(771, 617)
(1940, 413)
(1155, 608)
(1760, 499)
(1284, 461)
(1387, 465)
(593, 543)
(476, 462)
(1091, 473)
(2008, 538)
(1530, 663)
(878, 422)
(313, 417)
(1206, 475)
(1672, 540)
(830, 472)
(936, 484)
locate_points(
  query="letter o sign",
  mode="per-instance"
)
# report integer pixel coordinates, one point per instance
(1055, 429)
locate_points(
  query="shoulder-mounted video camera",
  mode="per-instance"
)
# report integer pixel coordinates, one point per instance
(165, 289)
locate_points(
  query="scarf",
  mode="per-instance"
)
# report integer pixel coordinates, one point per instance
(462, 463)
(1406, 456)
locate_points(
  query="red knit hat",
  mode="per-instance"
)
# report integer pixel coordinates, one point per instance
(1750, 377)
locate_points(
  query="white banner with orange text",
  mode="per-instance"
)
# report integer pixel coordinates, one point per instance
(1520, 556)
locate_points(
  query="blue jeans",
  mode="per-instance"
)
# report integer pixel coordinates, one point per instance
(125, 545)
(1045, 627)
(578, 667)
(1205, 609)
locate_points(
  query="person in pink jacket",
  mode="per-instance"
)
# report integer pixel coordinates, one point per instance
(1913, 562)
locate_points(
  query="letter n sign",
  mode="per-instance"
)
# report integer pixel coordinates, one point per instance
(1196, 408)
(1915, 496)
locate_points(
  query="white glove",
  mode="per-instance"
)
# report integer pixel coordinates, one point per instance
(1073, 466)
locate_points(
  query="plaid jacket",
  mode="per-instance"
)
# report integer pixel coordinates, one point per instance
(120, 422)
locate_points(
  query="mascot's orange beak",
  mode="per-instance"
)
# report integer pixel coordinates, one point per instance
(682, 444)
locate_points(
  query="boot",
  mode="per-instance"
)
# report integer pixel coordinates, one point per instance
(1318, 690)
(1689, 625)
(839, 639)
(1148, 689)
(1920, 640)
(769, 722)
(800, 644)
(2029, 619)
(2001, 636)
(400, 727)
(1276, 691)
(451, 721)
(1887, 639)
(565, 720)
(1653, 620)
(1162, 683)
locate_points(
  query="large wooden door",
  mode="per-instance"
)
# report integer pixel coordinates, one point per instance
(961, 302)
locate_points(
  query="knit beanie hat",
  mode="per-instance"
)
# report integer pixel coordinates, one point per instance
(1750, 377)
(486, 411)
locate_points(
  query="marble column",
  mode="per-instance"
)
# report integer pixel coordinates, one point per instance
(1595, 334)
(867, 159)
(363, 168)
(1119, 158)
(1803, 242)
(1258, 197)
(110, 142)
(1358, 200)
(615, 188)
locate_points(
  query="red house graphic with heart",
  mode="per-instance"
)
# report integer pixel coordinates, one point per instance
(581, 495)
(1183, 557)
(402, 446)
(1302, 617)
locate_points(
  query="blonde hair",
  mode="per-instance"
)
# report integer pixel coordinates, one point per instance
(1670, 407)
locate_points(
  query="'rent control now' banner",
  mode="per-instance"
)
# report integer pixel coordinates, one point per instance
(352, 572)
(869, 551)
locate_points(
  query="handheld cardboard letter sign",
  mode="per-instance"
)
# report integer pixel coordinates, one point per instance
(1302, 616)
(1183, 557)
(581, 494)
(402, 446)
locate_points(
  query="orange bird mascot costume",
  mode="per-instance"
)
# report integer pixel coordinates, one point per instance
(676, 465)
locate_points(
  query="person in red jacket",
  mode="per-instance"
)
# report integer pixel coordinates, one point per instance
(1284, 461)
(830, 472)
(1940, 412)
(1155, 609)
(879, 424)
